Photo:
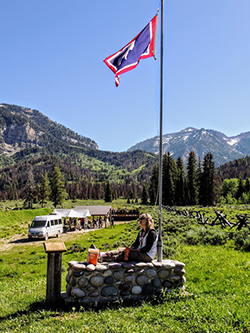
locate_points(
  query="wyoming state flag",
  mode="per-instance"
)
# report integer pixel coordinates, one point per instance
(141, 47)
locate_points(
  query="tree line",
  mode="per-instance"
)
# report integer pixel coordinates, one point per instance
(52, 188)
(195, 184)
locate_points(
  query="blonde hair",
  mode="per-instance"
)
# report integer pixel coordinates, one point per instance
(150, 221)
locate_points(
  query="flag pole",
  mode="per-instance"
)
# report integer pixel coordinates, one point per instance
(159, 243)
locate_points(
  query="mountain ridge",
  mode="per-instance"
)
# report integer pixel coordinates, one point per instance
(22, 127)
(201, 141)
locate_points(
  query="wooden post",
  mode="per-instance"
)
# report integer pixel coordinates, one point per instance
(54, 268)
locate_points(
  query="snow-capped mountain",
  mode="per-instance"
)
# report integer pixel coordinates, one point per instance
(201, 141)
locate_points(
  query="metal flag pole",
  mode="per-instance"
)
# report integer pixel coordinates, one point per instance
(159, 243)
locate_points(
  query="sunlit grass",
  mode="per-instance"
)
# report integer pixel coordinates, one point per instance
(217, 287)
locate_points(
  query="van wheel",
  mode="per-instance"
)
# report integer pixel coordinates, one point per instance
(46, 237)
(59, 234)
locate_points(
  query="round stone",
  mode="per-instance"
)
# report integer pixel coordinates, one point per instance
(107, 273)
(78, 274)
(148, 289)
(156, 282)
(130, 279)
(78, 267)
(109, 280)
(163, 273)
(141, 264)
(149, 264)
(71, 263)
(114, 265)
(175, 278)
(180, 271)
(72, 281)
(83, 282)
(140, 271)
(129, 271)
(168, 264)
(101, 268)
(96, 280)
(124, 287)
(167, 284)
(136, 290)
(90, 267)
(151, 273)
(179, 264)
(79, 293)
(109, 291)
(94, 294)
(156, 263)
(125, 293)
(118, 282)
(118, 275)
(183, 280)
(68, 289)
(141, 280)
(128, 265)
(67, 278)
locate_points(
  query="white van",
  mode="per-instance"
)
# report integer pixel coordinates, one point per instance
(46, 226)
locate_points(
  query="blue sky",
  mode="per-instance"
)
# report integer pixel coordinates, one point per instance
(52, 54)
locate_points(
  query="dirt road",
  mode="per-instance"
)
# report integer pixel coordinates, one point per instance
(17, 239)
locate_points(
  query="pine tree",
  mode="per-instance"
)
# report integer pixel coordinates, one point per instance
(199, 179)
(30, 191)
(44, 190)
(241, 188)
(57, 186)
(108, 193)
(180, 183)
(144, 197)
(191, 179)
(207, 186)
(247, 185)
(169, 172)
(153, 187)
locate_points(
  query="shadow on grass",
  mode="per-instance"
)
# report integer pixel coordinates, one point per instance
(62, 306)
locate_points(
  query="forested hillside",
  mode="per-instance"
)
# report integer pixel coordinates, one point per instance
(22, 128)
(84, 175)
(234, 169)
(31, 143)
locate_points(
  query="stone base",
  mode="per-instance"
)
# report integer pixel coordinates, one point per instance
(109, 282)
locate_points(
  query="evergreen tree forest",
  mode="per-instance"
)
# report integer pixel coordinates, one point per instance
(196, 183)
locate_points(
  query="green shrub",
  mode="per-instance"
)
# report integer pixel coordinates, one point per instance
(191, 237)
(77, 248)
(239, 237)
(246, 244)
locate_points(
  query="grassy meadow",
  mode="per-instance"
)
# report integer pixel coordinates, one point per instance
(217, 273)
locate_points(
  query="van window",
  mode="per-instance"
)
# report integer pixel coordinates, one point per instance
(38, 224)
(52, 222)
(60, 221)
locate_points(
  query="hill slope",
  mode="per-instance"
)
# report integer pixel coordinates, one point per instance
(22, 128)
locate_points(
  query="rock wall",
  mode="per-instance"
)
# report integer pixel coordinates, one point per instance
(107, 282)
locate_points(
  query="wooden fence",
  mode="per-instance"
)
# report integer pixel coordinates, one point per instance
(220, 219)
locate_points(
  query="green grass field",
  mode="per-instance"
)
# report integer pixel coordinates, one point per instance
(217, 286)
